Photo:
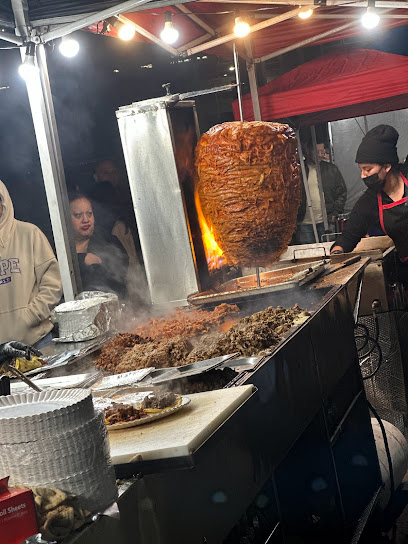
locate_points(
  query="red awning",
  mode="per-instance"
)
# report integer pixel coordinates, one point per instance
(336, 86)
(220, 17)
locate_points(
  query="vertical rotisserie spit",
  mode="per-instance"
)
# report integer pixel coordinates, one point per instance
(249, 188)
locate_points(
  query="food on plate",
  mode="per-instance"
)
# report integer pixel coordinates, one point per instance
(157, 402)
(186, 323)
(249, 187)
(121, 413)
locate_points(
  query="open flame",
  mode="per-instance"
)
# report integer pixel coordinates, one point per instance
(215, 256)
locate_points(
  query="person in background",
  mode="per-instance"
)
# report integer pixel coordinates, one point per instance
(102, 260)
(110, 222)
(30, 283)
(384, 203)
(335, 196)
(107, 170)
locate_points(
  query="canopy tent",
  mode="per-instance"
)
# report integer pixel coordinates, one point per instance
(336, 86)
(203, 27)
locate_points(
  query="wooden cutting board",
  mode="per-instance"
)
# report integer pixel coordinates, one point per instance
(179, 434)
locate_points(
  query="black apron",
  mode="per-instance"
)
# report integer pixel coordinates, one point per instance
(394, 222)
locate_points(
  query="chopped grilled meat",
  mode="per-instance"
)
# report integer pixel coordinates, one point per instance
(186, 323)
(121, 413)
(159, 401)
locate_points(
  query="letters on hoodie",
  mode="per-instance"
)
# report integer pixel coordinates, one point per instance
(9, 266)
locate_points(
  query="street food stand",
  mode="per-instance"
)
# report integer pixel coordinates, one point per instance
(279, 452)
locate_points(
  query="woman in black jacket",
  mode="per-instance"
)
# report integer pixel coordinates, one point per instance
(384, 204)
(102, 261)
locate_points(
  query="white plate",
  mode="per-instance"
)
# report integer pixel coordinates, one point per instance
(149, 417)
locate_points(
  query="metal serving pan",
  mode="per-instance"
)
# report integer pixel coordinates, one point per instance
(271, 281)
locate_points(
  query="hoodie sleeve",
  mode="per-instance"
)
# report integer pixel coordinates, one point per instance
(47, 278)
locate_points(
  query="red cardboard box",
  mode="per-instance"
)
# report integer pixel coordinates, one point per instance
(17, 514)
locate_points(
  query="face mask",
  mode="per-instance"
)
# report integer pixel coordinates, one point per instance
(374, 182)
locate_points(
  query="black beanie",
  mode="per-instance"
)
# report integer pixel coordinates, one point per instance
(379, 146)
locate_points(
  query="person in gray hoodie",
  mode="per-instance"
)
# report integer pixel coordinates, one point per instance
(30, 283)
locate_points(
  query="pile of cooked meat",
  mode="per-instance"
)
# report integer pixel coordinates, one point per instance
(186, 322)
(249, 187)
(251, 335)
(121, 413)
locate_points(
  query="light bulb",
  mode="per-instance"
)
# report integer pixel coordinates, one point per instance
(28, 68)
(241, 28)
(306, 14)
(370, 19)
(126, 32)
(169, 34)
(68, 47)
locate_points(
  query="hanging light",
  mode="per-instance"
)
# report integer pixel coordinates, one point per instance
(370, 19)
(28, 68)
(241, 28)
(68, 47)
(169, 34)
(126, 31)
(305, 14)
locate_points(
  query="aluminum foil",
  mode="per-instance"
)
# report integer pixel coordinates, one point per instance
(93, 313)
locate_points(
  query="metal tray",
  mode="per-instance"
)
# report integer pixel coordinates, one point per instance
(242, 288)
(165, 374)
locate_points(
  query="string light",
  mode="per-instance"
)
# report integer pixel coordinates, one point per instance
(169, 34)
(68, 47)
(126, 31)
(305, 14)
(370, 19)
(241, 28)
(28, 68)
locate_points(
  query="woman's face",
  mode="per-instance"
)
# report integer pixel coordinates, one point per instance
(82, 217)
(368, 169)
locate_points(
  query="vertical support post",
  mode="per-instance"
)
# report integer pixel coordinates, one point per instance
(306, 185)
(42, 110)
(365, 124)
(238, 80)
(253, 84)
(319, 179)
(330, 131)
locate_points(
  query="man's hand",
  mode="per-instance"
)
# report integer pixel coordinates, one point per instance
(91, 258)
(12, 350)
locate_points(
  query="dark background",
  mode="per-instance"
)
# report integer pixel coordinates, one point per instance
(87, 91)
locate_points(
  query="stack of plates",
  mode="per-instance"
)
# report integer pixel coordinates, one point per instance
(55, 439)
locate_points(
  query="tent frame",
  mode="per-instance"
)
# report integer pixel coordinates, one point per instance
(42, 31)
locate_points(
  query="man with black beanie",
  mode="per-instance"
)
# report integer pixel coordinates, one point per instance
(384, 204)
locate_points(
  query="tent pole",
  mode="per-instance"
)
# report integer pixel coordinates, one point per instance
(238, 81)
(330, 131)
(306, 185)
(365, 124)
(42, 110)
(319, 178)
(253, 85)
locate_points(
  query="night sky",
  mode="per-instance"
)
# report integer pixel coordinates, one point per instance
(87, 90)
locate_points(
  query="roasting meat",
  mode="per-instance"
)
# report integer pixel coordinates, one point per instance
(249, 187)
